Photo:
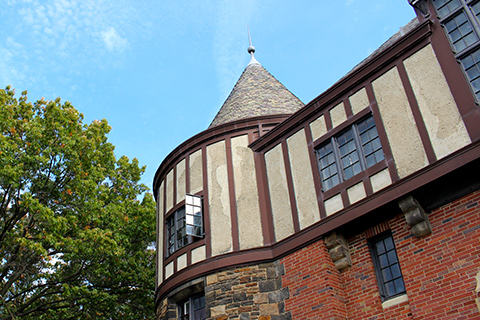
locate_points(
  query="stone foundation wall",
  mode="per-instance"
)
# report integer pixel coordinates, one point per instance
(166, 311)
(253, 292)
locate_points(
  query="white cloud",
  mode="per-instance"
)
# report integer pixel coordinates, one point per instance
(112, 40)
(349, 2)
(57, 38)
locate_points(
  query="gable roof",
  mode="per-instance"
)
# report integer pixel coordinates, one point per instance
(256, 93)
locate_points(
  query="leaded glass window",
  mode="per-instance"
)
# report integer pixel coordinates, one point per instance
(349, 153)
(461, 21)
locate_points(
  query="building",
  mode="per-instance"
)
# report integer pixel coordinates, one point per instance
(362, 204)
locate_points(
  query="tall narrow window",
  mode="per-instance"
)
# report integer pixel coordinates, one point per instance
(349, 153)
(460, 19)
(387, 268)
(185, 225)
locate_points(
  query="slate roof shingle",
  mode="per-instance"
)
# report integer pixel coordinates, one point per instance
(256, 93)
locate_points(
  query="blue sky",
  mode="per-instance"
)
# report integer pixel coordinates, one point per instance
(159, 70)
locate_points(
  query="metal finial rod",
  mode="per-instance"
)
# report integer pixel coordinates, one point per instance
(251, 49)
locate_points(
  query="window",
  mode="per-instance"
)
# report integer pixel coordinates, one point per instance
(387, 268)
(349, 153)
(185, 225)
(460, 19)
(192, 308)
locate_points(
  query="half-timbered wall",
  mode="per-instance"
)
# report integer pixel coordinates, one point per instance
(262, 192)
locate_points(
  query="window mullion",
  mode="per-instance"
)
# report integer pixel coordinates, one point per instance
(190, 308)
(359, 146)
(473, 20)
(338, 160)
(175, 232)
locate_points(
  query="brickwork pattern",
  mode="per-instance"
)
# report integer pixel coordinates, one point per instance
(362, 297)
(439, 271)
(253, 292)
(316, 291)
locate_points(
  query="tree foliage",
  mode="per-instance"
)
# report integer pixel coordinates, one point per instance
(74, 239)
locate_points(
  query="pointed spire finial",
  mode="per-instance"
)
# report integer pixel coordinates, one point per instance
(251, 49)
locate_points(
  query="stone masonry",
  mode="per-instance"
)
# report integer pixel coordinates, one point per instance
(252, 292)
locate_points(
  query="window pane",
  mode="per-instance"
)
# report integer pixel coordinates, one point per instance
(455, 35)
(351, 146)
(328, 167)
(376, 143)
(383, 260)
(335, 180)
(460, 31)
(476, 85)
(468, 61)
(331, 158)
(459, 45)
(388, 243)
(348, 172)
(357, 168)
(368, 148)
(470, 39)
(399, 285)
(380, 247)
(323, 162)
(387, 274)
(321, 152)
(371, 160)
(390, 288)
(392, 257)
(476, 10)
(197, 220)
(445, 7)
(473, 73)
(372, 148)
(395, 269)
(471, 65)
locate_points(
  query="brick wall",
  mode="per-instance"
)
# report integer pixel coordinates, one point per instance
(439, 272)
(440, 269)
(314, 284)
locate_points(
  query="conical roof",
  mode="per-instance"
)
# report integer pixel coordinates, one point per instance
(256, 93)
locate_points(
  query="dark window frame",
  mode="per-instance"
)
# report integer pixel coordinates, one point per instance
(469, 56)
(184, 225)
(333, 147)
(387, 266)
(192, 308)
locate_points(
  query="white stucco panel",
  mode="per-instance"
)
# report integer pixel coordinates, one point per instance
(303, 185)
(440, 113)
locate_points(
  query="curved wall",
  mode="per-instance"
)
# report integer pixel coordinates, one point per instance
(217, 165)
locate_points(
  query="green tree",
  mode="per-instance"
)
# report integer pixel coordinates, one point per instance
(74, 239)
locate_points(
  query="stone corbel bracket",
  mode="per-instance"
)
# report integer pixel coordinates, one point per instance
(415, 216)
(338, 249)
